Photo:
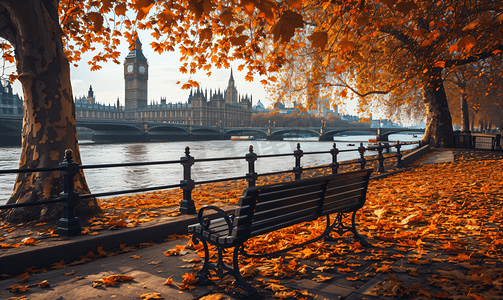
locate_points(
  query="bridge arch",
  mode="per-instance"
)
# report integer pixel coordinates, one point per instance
(168, 128)
(110, 127)
(329, 134)
(246, 132)
(386, 133)
(199, 131)
(277, 132)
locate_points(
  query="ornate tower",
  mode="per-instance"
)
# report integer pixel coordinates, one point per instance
(90, 95)
(135, 77)
(231, 93)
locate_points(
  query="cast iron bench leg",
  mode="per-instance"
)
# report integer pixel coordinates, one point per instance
(240, 282)
(221, 269)
(358, 236)
(202, 275)
(340, 228)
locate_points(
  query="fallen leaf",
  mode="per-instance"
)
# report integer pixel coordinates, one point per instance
(320, 278)
(151, 296)
(44, 284)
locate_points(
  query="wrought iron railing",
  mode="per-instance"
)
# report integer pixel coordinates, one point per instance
(69, 224)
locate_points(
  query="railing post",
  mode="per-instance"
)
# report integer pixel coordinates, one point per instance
(380, 158)
(335, 165)
(498, 142)
(251, 176)
(362, 160)
(398, 154)
(187, 206)
(298, 169)
(69, 225)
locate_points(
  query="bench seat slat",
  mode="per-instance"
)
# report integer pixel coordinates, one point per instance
(342, 205)
(345, 187)
(279, 203)
(285, 210)
(263, 193)
(277, 226)
(287, 219)
(336, 197)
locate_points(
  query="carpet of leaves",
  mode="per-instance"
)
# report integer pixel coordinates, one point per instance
(441, 222)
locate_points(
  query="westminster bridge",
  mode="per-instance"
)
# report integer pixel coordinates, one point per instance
(134, 131)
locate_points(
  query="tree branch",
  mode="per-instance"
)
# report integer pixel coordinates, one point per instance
(7, 29)
(474, 58)
(371, 92)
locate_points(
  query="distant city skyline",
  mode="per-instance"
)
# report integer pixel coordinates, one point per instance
(108, 83)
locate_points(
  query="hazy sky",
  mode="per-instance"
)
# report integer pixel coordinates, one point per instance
(108, 83)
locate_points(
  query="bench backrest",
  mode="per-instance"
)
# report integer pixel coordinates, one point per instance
(267, 208)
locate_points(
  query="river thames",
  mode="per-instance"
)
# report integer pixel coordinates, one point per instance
(114, 179)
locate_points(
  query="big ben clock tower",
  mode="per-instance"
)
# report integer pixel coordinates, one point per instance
(135, 77)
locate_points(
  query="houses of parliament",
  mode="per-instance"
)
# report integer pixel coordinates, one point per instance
(213, 108)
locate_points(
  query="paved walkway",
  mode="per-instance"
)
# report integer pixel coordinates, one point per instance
(437, 157)
(150, 268)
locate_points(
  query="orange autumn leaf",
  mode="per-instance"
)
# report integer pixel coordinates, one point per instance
(188, 280)
(18, 288)
(418, 261)
(284, 28)
(321, 278)
(111, 280)
(44, 284)
(344, 270)
(149, 296)
(384, 269)
(471, 26)
(439, 64)
(227, 17)
(346, 45)
(212, 297)
(297, 4)
(59, 265)
(205, 34)
(319, 39)
(466, 43)
(168, 281)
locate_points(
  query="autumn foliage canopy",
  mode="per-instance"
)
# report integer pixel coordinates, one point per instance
(353, 47)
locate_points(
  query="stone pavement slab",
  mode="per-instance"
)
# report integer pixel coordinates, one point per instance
(151, 268)
(437, 157)
(150, 271)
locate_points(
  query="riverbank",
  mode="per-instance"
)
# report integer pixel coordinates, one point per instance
(440, 219)
(129, 211)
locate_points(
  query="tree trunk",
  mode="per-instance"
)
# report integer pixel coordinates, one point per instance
(49, 125)
(465, 119)
(472, 122)
(439, 131)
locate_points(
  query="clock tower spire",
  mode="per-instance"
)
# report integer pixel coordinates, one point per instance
(135, 77)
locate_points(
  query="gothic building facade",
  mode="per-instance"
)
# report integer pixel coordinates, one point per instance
(216, 108)
(10, 103)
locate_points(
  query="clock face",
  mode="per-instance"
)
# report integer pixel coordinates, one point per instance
(142, 69)
(129, 68)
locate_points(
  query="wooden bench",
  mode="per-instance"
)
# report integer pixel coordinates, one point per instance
(267, 208)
